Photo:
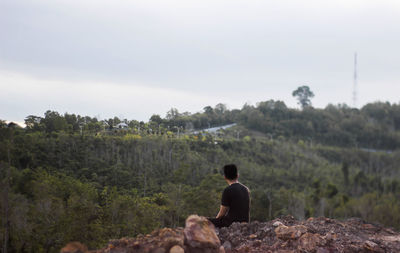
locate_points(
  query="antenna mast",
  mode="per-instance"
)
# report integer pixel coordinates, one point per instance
(355, 81)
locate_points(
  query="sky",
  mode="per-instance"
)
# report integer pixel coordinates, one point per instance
(136, 58)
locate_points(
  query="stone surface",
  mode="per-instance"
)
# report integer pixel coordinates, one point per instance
(289, 233)
(252, 236)
(321, 235)
(176, 249)
(309, 242)
(200, 234)
(372, 247)
(159, 250)
(227, 245)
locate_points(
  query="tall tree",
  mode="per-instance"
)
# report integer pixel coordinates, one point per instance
(303, 94)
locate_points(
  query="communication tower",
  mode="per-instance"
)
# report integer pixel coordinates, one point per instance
(355, 81)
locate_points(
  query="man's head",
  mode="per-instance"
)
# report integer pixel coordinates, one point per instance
(230, 172)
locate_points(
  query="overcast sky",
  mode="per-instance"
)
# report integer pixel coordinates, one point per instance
(133, 58)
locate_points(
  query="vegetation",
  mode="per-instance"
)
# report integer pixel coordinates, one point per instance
(68, 177)
(303, 94)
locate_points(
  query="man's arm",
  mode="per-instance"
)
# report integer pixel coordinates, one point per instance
(223, 210)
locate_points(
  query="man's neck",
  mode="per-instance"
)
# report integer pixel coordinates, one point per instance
(233, 181)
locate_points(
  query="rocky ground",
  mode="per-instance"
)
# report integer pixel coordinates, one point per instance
(280, 235)
(313, 235)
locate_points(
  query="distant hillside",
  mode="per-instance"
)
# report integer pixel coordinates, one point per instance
(374, 126)
(107, 182)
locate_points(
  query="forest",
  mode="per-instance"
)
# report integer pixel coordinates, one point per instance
(66, 177)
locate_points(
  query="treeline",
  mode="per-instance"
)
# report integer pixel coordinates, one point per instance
(58, 185)
(374, 126)
(173, 122)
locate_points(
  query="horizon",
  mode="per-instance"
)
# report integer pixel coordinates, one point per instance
(22, 123)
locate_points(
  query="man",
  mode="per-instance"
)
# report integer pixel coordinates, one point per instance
(235, 202)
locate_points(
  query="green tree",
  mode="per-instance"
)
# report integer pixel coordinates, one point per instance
(208, 109)
(172, 114)
(53, 121)
(156, 118)
(303, 94)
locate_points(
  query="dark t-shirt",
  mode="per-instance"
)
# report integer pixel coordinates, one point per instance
(237, 198)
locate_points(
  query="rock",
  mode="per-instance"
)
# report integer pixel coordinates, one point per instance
(277, 224)
(200, 233)
(331, 236)
(159, 250)
(257, 243)
(322, 250)
(176, 249)
(74, 247)
(309, 242)
(243, 248)
(369, 226)
(372, 247)
(252, 236)
(227, 245)
(289, 233)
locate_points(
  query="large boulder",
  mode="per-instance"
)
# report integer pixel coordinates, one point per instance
(200, 235)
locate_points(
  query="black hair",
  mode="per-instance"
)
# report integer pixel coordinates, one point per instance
(230, 171)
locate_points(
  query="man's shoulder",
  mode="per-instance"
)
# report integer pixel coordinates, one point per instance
(228, 188)
(242, 187)
(247, 188)
(236, 186)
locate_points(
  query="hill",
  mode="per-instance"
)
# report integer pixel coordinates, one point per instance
(107, 182)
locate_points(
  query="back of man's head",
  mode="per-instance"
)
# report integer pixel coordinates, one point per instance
(230, 171)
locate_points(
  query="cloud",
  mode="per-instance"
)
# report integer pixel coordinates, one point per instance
(141, 57)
